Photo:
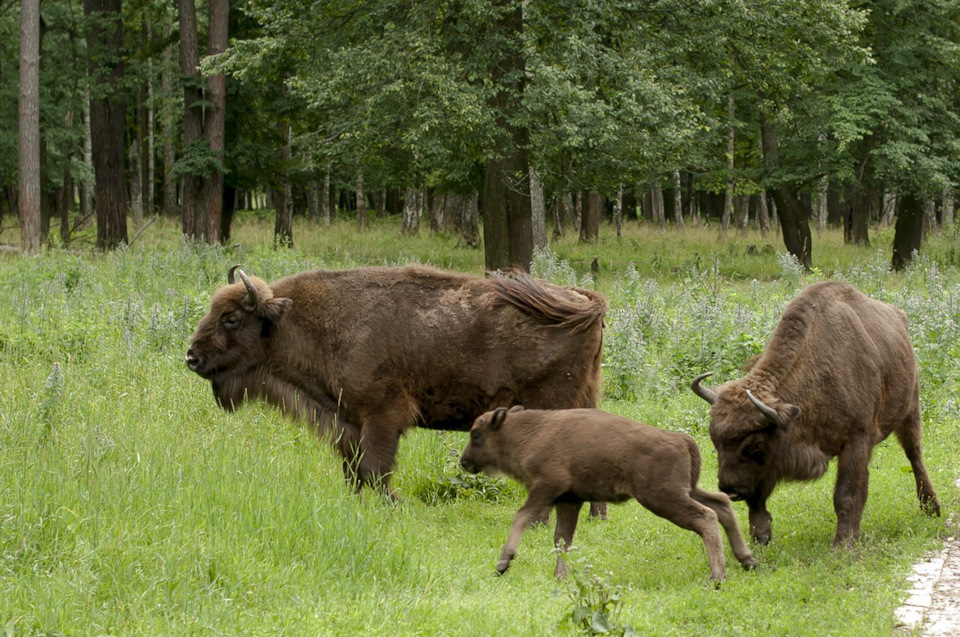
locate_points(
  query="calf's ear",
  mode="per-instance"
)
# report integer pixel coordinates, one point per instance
(499, 415)
(515, 409)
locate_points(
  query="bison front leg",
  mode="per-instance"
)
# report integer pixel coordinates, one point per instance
(850, 494)
(761, 522)
(372, 459)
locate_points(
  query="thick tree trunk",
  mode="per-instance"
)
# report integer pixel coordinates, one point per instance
(107, 123)
(763, 213)
(793, 218)
(86, 186)
(949, 208)
(590, 217)
(462, 210)
(507, 213)
(908, 235)
(194, 224)
(216, 116)
(28, 122)
(929, 218)
(856, 223)
(889, 208)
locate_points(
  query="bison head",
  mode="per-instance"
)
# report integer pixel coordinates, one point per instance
(230, 338)
(749, 436)
(482, 453)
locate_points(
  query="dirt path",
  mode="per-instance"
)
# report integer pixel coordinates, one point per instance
(933, 605)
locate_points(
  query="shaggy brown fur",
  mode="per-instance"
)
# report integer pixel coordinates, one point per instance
(837, 377)
(566, 457)
(365, 354)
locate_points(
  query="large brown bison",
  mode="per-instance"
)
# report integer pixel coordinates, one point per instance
(364, 354)
(837, 377)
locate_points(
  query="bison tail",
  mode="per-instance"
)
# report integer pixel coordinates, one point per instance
(569, 307)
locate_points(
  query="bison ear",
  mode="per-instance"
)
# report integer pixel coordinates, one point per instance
(788, 413)
(753, 448)
(275, 308)
(515, 409)
(499, 415)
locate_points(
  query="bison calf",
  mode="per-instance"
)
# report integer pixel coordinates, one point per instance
(567, 457)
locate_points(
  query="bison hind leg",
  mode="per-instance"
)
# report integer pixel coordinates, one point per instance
(684, 511)
(909, 436)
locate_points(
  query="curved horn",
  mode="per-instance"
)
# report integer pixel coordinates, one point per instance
(767, 411)
(230, 278)
(251, 299)
(703, 392)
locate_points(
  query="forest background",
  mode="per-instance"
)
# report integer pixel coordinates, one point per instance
(787, 114)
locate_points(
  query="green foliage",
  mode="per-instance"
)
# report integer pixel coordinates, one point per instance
(596, 601)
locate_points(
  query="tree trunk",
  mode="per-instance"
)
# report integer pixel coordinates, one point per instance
(728, 199)
(313, 200)
(230, 196)
(908, 235)
(107, 123)
(590, 217)
(136, 181)
(789, 210)
(949, 208)
(167, 131)
(463, 213)
(86, 186)
(618, 211)
(822, 207)
(362, 220)
(658, 208)
(507, 213)
(410, 222)
(215, 124)
(889, 208)
(677, 199)
(150, 153)
(283, 196)
(743, 214)
(763, 213)
(538, 210)
(857, 220)
(28, 122)
(194, 225)
(326, 207)
(929, 218)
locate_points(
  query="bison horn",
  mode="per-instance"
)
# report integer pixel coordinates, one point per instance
(251, 299)
(230, 278)
(703, 392)
(766, 410)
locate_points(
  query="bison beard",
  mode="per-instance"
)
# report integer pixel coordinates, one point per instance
(837, 377)
(365, 354)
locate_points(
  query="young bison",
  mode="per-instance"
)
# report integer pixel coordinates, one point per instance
(567, 457)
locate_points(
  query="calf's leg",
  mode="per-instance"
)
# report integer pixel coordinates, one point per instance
(567, 515)
(728, 520)
(909, 434)
(687, 513)
(537, 500)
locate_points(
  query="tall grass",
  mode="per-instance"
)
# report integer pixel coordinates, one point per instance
(130, 504)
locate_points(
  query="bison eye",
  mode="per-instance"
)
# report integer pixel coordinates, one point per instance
(230, 321)
(476, 437)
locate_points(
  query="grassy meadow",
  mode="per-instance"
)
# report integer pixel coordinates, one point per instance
(131, 504)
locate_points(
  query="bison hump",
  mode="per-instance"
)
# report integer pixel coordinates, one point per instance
(568, 307)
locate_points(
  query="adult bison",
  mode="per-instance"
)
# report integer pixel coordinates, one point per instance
(364, 354)
(837, 377)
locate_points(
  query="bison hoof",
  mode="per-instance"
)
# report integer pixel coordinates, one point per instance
(763, 539)
(749, 563)
(502, 566)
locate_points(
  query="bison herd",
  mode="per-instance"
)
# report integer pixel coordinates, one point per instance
(367, 353)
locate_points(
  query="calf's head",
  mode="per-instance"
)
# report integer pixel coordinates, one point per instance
(483, 453)
(229, 339)
(749, 436)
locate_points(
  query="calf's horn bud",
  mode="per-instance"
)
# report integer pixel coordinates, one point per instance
(703, 392)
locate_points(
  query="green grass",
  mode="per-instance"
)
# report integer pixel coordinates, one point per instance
(130, 504)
